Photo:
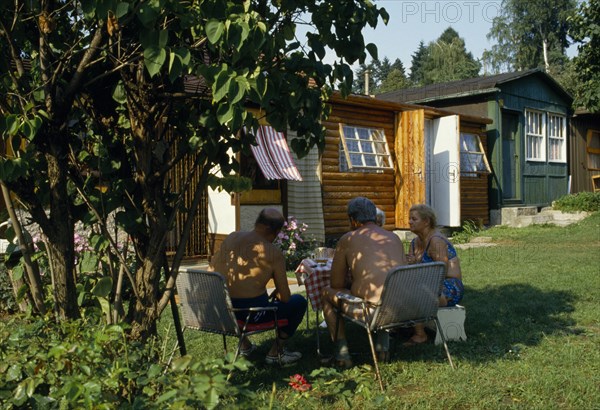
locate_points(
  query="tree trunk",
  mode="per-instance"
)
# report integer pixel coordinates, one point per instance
(33, 274)
(60, 233)
(143, 312)
(545, 51)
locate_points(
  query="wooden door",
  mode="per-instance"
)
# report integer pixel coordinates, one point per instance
(410, 164)
(443, 170)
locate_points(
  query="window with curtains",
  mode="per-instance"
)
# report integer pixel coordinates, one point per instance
(535, 126)
(557, 130)
(472, 156)
(545, 133)
(363, 149)
(593, 150)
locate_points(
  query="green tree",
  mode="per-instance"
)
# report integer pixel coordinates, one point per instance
(417, 72)
(395, 80)
(585, 30)
(363, 72)
(379, 73)
(448, 60)
(94, 106)
(529, 34)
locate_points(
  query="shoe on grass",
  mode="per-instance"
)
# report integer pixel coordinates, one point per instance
(287, 357)
(247, 352)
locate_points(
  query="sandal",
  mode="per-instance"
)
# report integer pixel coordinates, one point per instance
(247, 352)
(411, 342)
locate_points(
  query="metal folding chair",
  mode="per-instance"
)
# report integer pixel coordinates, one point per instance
(206, 306)
(409, 296)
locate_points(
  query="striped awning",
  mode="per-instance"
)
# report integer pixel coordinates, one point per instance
(273, 155)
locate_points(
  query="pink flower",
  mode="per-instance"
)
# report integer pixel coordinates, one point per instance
(299, 383)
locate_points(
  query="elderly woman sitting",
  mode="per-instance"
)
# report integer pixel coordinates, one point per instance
(430, 246)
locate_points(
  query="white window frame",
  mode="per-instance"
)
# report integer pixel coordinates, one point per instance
(593, 150)
(364, 149)
(557, 134)
(468, 168)
(535, 134)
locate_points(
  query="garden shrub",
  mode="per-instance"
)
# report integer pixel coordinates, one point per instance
(582, 201)
(80, 364)
(468, 230)
(293, 243)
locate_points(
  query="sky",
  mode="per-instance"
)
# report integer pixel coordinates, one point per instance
(414, 20)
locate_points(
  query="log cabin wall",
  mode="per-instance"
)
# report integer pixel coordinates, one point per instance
(584, 127)
(339, 187)
(474, 197)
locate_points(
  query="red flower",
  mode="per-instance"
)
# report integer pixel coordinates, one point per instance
(299, 383)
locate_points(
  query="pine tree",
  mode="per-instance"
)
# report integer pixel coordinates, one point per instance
(416, 67)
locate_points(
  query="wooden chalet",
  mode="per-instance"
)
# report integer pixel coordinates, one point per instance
(527, 138)
(395, 154)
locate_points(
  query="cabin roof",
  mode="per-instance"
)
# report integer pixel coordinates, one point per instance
(378, 103)
(472, 86)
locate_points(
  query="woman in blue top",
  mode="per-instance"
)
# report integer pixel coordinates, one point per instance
(429, 246)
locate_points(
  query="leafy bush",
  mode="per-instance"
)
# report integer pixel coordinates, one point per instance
(80, 364)
(7, 298)
(466, 232)
(582, 201)
(293, 243)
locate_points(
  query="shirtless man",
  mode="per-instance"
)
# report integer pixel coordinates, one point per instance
(248, 260)
(368, 253)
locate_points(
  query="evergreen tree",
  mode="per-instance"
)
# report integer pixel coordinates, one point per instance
(448, 60)
(358, 85)
(416, 67)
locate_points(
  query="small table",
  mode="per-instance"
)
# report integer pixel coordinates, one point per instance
(314, 276)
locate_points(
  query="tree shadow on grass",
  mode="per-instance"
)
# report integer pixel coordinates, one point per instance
(499, 319)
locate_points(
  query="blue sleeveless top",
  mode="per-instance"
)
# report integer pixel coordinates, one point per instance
(426, 258)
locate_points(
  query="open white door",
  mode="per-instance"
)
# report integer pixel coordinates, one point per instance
(443, 170)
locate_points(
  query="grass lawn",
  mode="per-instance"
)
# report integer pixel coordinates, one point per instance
(533, 328)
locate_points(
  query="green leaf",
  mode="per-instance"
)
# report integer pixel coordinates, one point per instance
(154, 371)
(224, 113)
(12, 124)
(147, 14)
(214, 30)
(175, 67)
(89, 262)
(167, 396)
(261, 85)
(154, 58)
(17, 273)
(181, 363)
(13, 373)
(99, 242)
(122, 9)
(104, 305)
(184, 55)
(163, 38)
(235, 92)
(119, 93)
(372, 49)
(221, 85)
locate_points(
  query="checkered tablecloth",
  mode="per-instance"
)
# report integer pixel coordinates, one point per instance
(315, 277)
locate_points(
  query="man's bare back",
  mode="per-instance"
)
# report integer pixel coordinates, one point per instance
(369, 253)
(248, 262)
